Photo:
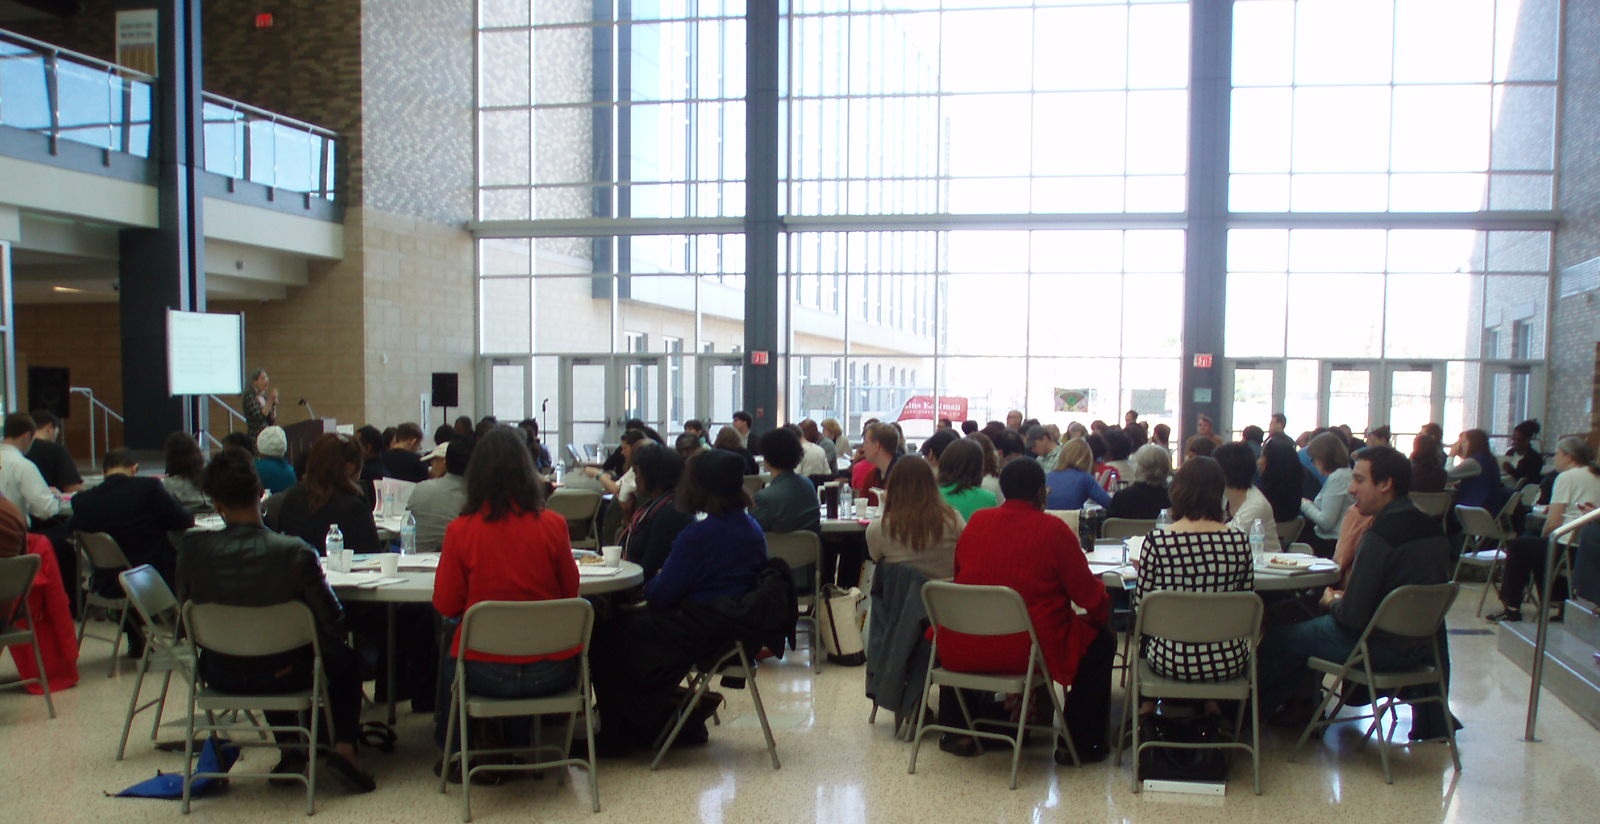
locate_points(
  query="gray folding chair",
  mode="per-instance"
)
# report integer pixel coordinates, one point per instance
(98, 552)
(249, 632)
(1485, 546)
(521, 628)
(1412, 613)
(1126, 528)
(1435, 504)
(734, 664)
(987, 611)
(1528, 495)
(16, 581)
(755, 483)
(1289, 531)
(1196, 618)
(579, 507)
(157, 612)
(800, 550)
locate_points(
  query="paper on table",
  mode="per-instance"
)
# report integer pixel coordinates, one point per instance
(382, 582)
(596, 571)
(351, 579)
(425, 560)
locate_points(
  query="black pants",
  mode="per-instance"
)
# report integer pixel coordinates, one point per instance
(1088, 706)
(637, 659)
(1525, 559)
(842, 556)
(291, 672)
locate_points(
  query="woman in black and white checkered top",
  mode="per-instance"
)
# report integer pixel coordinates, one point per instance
(1198, 553)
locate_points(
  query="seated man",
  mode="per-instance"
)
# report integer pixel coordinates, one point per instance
(788, 503)
(1017, 545)
(247, 565)
(55, 464)
(437, 501)
(137, 512)
(1403, 546)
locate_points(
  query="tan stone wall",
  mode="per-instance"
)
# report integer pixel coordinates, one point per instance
(87, 339)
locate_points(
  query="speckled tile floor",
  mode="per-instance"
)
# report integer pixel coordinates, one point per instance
(838, 769)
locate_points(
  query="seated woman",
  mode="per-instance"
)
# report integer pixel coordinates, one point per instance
(246, 565)
(185, 466)
(622, 486)
(1118, 450)
(1018, 545)
(1282, 478)
(1245, 503)
(1427, 470)
(276, 473)
(1577, 490)
(1198, 553)
(788, 503)
(918, 526)
(656, 521)
(991, 465)
(1325, 513)
(728, 440)
(1070, 482)
(961, 478)
(505, 547)
(1477, 476)
(1144, 499)
(1522, 461)
(640, 655)
(328, 494)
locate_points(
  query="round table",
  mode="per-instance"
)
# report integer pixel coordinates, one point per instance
(417, 588)
(1108, 566)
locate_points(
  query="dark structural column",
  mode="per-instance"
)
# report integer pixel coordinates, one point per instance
(164, 268)
(1206, 252)
(761, 221)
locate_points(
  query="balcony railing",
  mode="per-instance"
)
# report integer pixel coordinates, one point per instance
(68, 96)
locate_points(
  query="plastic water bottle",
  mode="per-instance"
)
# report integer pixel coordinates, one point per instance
(335, 540)
(388, 503)
(1164, 519)
(408, 535)
(1258, 541)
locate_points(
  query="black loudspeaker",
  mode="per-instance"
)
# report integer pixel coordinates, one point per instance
(445, 386)
(49, 388)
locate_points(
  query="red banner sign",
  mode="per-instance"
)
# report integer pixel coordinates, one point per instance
(920, 408)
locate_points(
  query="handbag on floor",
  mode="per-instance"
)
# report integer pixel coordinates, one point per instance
(1174, 764)
(839, 624)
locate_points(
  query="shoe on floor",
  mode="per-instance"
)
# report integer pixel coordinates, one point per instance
(292, 763)
(1505, 616)
(960, 746)
(350, 774)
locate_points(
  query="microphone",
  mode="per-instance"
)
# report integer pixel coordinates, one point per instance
(544, 405)
(310, 413)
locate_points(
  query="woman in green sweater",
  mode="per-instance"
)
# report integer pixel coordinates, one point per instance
(961, 478)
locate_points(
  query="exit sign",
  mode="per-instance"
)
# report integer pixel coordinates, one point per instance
(1202, 361)
(758, 357)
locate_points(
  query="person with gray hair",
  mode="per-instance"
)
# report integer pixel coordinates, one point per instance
(1576, 491)
(1147, 495)
(276, 472)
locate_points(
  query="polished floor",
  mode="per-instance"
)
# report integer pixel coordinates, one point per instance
(838, 769)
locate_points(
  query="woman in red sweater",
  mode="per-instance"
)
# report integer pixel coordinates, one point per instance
(1018, 545)
(505, 547)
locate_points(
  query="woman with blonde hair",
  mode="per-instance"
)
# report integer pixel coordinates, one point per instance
(918, 526)
(1070, 482)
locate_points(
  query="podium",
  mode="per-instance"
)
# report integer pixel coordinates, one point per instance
(301, 435)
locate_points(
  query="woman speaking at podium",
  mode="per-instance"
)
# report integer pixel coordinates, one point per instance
(260, 403)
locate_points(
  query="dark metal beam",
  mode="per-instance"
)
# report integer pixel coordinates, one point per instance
(1206, 252)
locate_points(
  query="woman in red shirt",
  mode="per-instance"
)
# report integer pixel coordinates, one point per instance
(1018, 545)
(505, 547)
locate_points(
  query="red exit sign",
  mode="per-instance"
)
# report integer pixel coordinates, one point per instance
(1202, 361)
(758, 357)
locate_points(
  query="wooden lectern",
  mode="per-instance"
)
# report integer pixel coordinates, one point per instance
(301, 435)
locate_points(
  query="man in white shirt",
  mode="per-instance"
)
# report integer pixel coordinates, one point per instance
(20, 480)
(813, 460)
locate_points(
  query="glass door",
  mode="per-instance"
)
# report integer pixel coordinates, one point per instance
(508, 386)
(1511, 394)
(1414, 395)
(642, 390)
(719, 390)
(586, 426)
(1348, 393)
(1254, 390)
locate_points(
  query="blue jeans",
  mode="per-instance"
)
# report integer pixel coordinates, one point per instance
(1282, 668)
(504, 681)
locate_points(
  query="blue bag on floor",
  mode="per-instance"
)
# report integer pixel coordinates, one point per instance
(215, 756)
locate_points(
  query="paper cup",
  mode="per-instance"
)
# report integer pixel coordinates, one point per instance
(347, 560)
(860, 507)
(612, 555)
(332, 562)
(388, 564)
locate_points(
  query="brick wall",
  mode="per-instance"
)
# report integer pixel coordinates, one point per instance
(87, 339)
(1574, 369)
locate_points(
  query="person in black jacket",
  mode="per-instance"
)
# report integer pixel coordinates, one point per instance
(246, 565)
(372, 468)
(1147, 495)
(656, 520)
(327, 494)
(401, 459)
(138, 513)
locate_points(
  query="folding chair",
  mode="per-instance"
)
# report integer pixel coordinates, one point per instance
(986, 611)
(1126, 528)
(579, 507)
(521, 628)
(1197, 618)
(1289, 531)
(157, 612)
(755, 483)
(1412, 613)
(248, 632)
(98, 552)
(1435, 504)
(1122, 621)
(800, 550)
(733, 664)
(16, 581)
(1486, 539)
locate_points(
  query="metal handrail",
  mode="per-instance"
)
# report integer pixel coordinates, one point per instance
(77, 57)
(106, 412)
(1542, 639)
(263, 114)
(232, 414)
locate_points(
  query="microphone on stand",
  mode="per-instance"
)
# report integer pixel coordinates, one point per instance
(310, 413)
